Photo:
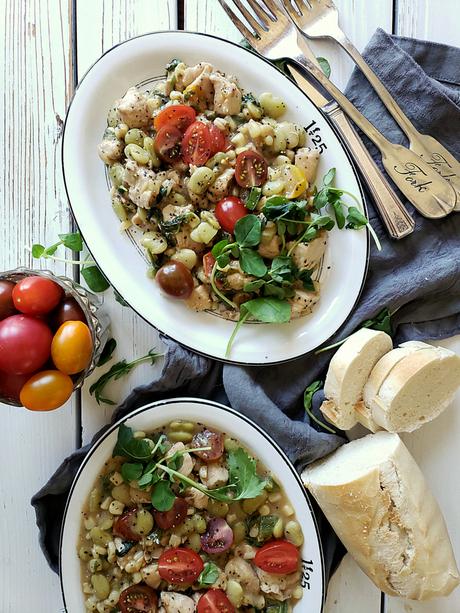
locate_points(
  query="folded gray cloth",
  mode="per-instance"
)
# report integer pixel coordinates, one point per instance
(417, 277)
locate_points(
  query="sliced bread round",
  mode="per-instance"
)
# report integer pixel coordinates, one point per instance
(348, 371)
(376, 499)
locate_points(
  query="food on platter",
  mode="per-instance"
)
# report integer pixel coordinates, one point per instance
(44, 342)
(397, 390)
(376, 499)
(184, 518)
(224, 192)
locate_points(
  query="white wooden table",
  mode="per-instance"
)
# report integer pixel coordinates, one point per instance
(47, 46)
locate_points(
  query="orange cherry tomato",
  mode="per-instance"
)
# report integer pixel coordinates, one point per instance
(72, 347)
(179, 116)
(46, 391)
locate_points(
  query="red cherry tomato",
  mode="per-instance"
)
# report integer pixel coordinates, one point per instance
(207, 438)
(215, 601)
(251, 169)
(228, 211)
(46, 391)
(208, 263)
(11, 385)
(170, 519)
(167, 144)
(196, 145)
(217, 139)
(179, 116)
(25, 344)
(6, 299)
(180, 566)
(138, 598)
(278, 557)
(72, 347)
(68, 310)
(175, 279)
(36, 295)
(124, 526)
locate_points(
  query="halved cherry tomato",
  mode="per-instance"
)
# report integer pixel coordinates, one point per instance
(208, 263)
(170, 519)
(215, 601)
(167, 144)
(36, 295)
(228, 211)
(196, 145)
(179, 116)
(46, 391)
(251, 169)
(180, 566)
(175, 279)
(138, 598)
(124, 526)
(278, 557)
(218, 142)
(208, 438)
(6, 299)
(72, 347)
(25, 344)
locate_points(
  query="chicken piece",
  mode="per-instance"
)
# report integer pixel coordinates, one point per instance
(245, 551)
(151, 576)
(199, 300)
(213, 475)
(271, 249)
(196, 499)
(183, 240)
(190, 74)
(237, 281)
(187, 461)
(177, 603)
(241, 571)
(280, 587)
(143, 184)
(171, 211)
(140, 495)
(221, 185)
(302, 302)
(227, 96)
(133, 109)
(199, 91)
(307, 160)
(110, 150)
(308, 255)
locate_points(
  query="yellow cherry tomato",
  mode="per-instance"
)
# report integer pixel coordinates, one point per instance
(46, 391)
(72, 347)
(294, 179)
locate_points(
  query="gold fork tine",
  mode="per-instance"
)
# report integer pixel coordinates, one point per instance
(291, 10)
(274, 8)
(249, 36)
(260, 12)
(249, 18)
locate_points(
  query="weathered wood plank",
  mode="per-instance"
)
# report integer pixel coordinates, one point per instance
(100, 25)
(35, 60)
(429, 20)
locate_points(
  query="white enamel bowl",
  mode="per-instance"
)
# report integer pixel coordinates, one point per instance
(217, 416)
(139, 61)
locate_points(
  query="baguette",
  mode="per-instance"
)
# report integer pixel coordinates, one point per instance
(348, 371)
(376, 499)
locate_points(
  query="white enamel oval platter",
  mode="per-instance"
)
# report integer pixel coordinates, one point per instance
(139, 61)
(156, 415)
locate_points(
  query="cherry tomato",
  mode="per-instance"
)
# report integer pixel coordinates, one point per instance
(11, 385)
(179, 116)
(68, 310)
(218, 536)
(196, 145)
(215, 601)
(72, 347)
(180, 566)
(170, 519)
(124, 526)
(46, 391)
(138, 598)
(207, 438)
(6, 299)
(36, 295)
(175, 279)
(217, 139)
(168, 144)
(208, 263)
(25, 344)
(251, 169)
(278, 557)
(228, 211)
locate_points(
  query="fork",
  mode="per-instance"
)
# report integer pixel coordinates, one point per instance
(320, 19)
(275, 36)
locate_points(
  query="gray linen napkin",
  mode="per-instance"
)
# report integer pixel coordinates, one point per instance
(418, 277)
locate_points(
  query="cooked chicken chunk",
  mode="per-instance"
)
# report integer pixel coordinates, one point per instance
(221, 185)
(187, 460)
(242, 571)
(213, 475)
(177, 603)
(308, 255)
(200, 299)
(151, 576)
(196, 498)
(227, 96)
(237, 281)
(307, 160)
(302, 302)
(183, 240)
(198, 92)
(280, 587)
(133, 109)
(245, 551)
(143, 187)
(271, 249)
(170, 211)
(110, 150)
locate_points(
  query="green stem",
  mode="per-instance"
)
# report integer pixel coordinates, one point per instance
(319, 422)
(218, 293)
(215, 494)
(235, 332)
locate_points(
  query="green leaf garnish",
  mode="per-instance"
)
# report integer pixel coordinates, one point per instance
(209, 575)
(307, 403)
(325, 67)
(253, 198)
(162, 496)
(248, 231)
(72, 241)
(107, 352)
(94, 279)
(252, 262)
(131, 472)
